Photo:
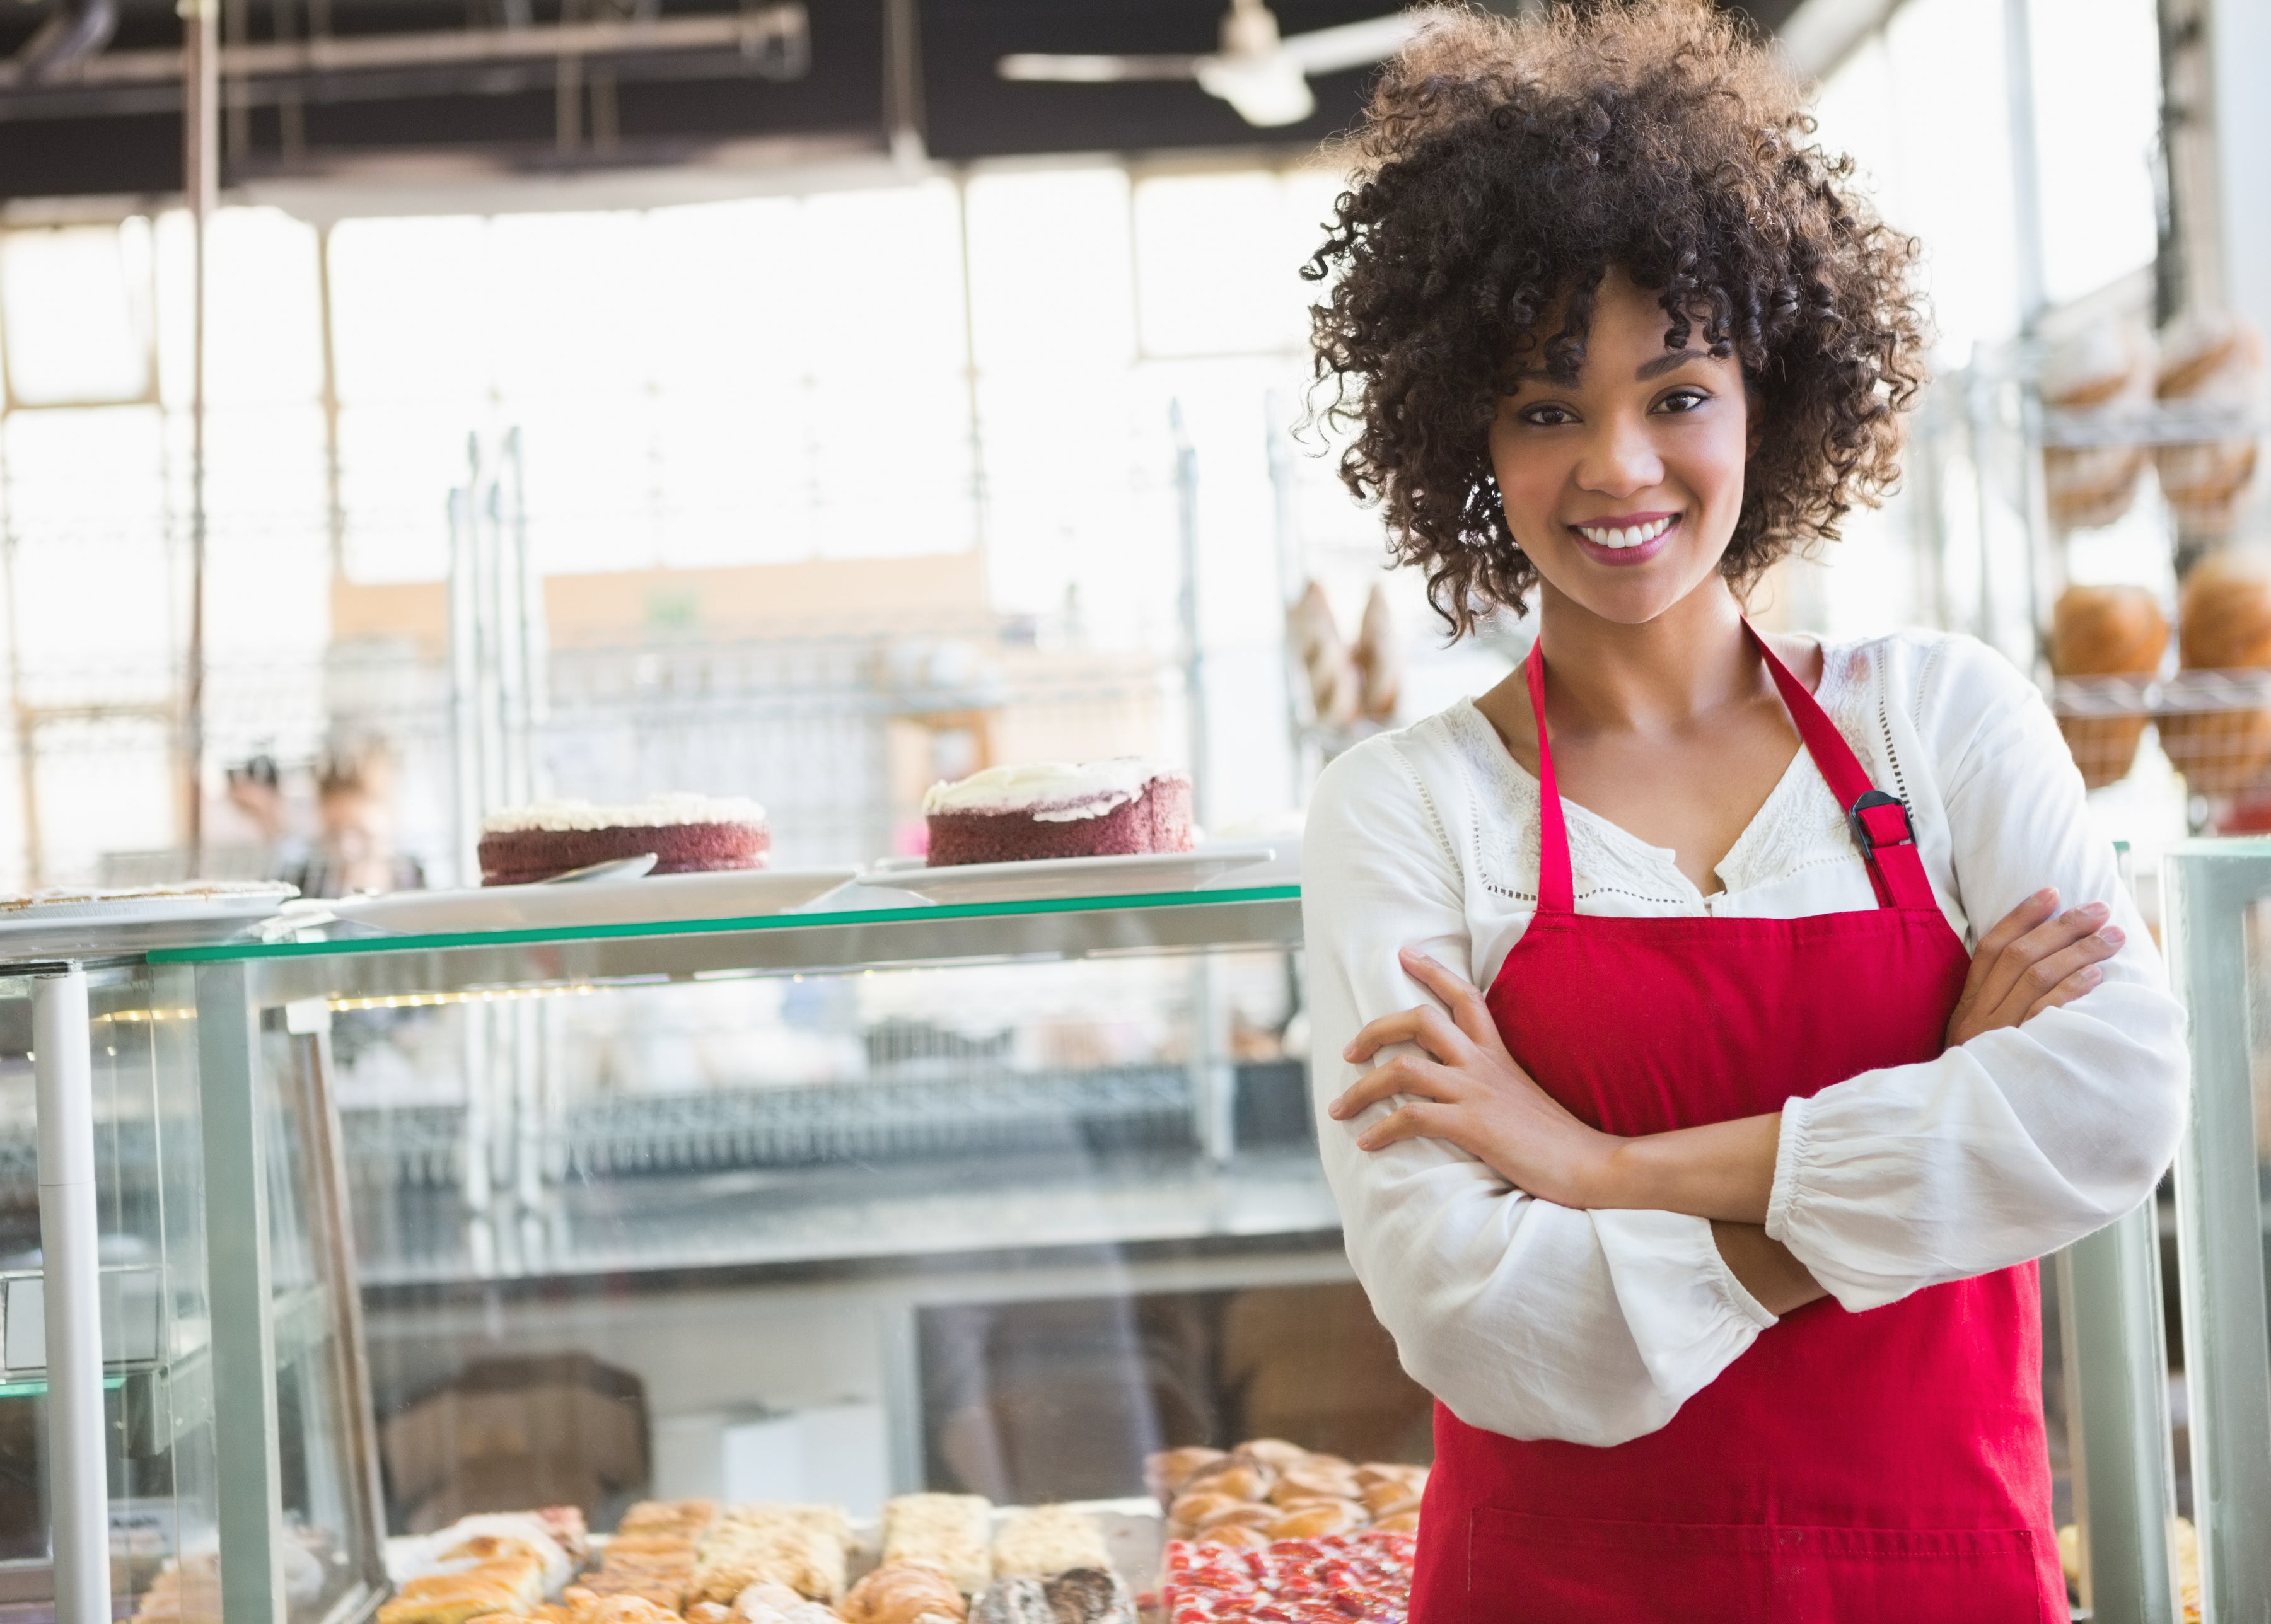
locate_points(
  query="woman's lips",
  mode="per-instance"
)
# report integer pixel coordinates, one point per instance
(1664, 525)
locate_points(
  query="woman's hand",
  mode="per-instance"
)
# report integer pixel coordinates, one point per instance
(1464, 1087)
(2031, 961)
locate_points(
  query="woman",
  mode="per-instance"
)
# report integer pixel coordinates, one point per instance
(1705, 1054)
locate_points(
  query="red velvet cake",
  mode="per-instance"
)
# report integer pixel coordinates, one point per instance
(687, 834)
(1106, 808)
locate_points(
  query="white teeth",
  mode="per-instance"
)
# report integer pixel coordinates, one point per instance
(1618, 539)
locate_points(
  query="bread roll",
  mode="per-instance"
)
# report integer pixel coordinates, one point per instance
(2209, 359)
(1407, 1524)
(1311, 1481)
(2223, 624)
(1317, 1519)
(1246, 1513)
(1169, 1470)
(901, 1593)
(1275, 1453)
(1388, 1492)
(1235, 1536)
(1240, 1480)
(1381, 1471)
(2104, 371)
(2105, 631)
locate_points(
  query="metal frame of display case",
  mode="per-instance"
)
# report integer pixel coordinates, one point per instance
(2209, 888)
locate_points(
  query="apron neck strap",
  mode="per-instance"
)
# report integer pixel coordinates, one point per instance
(1879, 822)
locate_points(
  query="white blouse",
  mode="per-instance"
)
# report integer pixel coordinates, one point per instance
(1539, 1321)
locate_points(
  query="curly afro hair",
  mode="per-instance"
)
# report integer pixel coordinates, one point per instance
(1502, 169)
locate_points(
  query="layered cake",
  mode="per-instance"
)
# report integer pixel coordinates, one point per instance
(1050, 809)
(687, 834)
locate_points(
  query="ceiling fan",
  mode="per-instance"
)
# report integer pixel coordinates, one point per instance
(1261, 73)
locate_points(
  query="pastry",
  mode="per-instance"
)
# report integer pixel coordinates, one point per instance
(686, 1516)
(1335, 684)
(1402, 1522)
(2209, 360)
(905, 1593)
(1240, 1480)
(946, 1531)
(2105, 631)
(1019, 1600)
(803, 1548)
(1048, 1539)
(1167, 1472)
(1386, 1496)
(1090, 1596)
(707, 1613)
(625, 1609)
(766, 1603)
(1273, 1453)
(1236, 1536)
(1317, 1519)
(2103, 372)
(451, 1599)
(2223, 624)
(687, 834)
(1380, 1471)
(1053, 810)
(1360, 1576)
(1310, 1480)
(1379, 659)
(1246, 1513)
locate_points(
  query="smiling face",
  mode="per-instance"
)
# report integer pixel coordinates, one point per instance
(1623, 486)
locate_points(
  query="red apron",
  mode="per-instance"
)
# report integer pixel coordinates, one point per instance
(1878, 1468)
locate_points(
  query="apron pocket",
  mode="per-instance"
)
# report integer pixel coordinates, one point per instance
(1524, 1569)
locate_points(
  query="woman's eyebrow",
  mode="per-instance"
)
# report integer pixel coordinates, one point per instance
(1663, 364)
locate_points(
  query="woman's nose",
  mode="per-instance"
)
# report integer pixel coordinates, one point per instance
(1620, 458)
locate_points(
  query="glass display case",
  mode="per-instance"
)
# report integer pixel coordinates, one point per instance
(181, 1334)
(832, 1205)
(829, 1206)
(2217, 909)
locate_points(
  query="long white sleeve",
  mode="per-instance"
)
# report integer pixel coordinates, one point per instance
(1526, 1318)
(2023, 1140)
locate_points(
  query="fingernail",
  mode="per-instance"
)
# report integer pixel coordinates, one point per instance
(2049, 893)
(2112, 935)
(2089, 975)
(1349, 1053)
(2096, 911)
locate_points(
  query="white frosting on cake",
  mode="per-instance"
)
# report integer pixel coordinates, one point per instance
(658, 812)
(1053, 792)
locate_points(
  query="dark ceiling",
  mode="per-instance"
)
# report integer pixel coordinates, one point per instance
(73, 135)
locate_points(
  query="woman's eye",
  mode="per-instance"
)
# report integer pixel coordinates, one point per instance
(1547, 416)
(1682, 400)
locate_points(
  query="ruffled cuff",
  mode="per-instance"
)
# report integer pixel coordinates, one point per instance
(1689, 1316)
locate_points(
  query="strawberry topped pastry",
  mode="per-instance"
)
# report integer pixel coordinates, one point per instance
(1121, 808)
(687, 834)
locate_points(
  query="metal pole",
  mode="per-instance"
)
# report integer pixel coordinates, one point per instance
(465, 667)
(1187, 605)
(201, 164)
(78, 1486)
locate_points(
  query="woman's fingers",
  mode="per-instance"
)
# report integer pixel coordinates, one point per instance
(2031, 912)
(1420, 1119)
(2045, 976)
(1469, 1011)
(1423, 1024)
(1406, 1073)
(2030, 949)
(2066, 991)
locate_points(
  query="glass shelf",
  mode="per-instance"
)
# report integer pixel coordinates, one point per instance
(377, 968)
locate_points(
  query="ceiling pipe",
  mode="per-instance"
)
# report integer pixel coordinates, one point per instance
(79, 29)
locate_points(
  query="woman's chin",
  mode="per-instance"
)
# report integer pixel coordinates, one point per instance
(1636, 594)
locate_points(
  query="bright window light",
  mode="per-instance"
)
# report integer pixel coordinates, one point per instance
(77, 316)
(1051, 268)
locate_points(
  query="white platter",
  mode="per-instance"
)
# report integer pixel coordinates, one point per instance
(1062, 878)
(654, 899)
(92, 921)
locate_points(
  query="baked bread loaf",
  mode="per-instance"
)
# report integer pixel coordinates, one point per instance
(2209, 359)
(2105, 631)
(948, 1532)
(2223, 624)
(1317, 1518)
(766, 1603)
(906, 1593)
(1048, 1539)
(1336, 686)
(1379, 659)
(2105, 370)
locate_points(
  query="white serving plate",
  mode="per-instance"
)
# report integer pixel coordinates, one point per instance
(1061, 877)
(652, 899)
(92, 921)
